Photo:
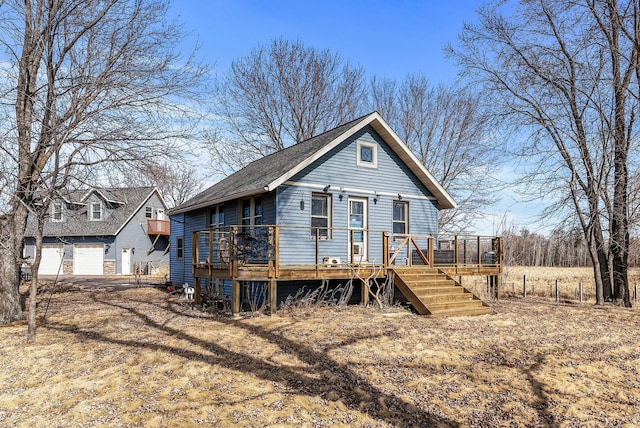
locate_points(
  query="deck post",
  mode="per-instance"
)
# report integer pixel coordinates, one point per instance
(385, 252)
(364, 293)
(197, 291)
(273, 296)
(235, 298)
(210, 258)
(431, 247)
(455, 252)
(276, 243)
(479, 256)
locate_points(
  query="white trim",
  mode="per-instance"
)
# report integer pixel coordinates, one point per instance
(53, 212)
(134, 212)
(317, 155)
(91, 217)
(362, 191)
(374, 155)
(397, 145)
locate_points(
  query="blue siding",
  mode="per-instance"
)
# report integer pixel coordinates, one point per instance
(339, 168)
(195, 220)
(177, 266)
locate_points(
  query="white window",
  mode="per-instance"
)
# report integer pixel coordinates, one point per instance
(321, 215)
(95, 212)
(148, 212)
(367, 154)
(400, 217)
(56, 212)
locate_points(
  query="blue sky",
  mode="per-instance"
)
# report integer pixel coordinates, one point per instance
(388, 38)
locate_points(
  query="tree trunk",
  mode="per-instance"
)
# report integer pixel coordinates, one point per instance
(33, 289)
(12, 228)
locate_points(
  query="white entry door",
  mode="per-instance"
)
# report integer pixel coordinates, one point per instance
(126, 261)
(88, 259)
(357, 229)
(51, 260)
(160, 214)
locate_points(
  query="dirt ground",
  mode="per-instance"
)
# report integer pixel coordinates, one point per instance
(118, 355)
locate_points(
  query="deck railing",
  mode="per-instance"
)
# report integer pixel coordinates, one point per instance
(235, 247)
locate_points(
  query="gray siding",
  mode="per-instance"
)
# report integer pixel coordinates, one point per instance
(134, 235)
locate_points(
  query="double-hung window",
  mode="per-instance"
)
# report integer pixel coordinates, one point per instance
(400, 217)
(56, 214)
(321, 215)
(251, 212)
(95, 212)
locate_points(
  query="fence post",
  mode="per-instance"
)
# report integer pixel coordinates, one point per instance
(524, 285)
(580, 288)
(557, 293)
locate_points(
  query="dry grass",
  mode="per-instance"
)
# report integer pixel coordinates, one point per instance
(541, 282)
(138, 357)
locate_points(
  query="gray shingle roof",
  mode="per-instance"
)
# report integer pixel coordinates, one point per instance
(270, 171)
(125, 203)
(254, 177)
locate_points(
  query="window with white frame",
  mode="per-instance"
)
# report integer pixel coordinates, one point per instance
(56, 212)
(321, 215)
(95, 212)
(400, 217)
(367, 154)
(148, 212)
(251, 212)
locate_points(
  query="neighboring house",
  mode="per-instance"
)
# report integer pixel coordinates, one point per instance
(332, 201)
(103, 231)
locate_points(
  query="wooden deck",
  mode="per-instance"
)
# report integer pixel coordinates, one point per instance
(238, 255)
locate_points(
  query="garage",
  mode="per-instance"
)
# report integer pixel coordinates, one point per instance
(50, 260)
(88, 259)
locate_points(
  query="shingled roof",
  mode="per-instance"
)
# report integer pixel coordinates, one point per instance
(267, 173)
(124, 201)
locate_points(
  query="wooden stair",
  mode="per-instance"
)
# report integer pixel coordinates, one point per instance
(432, 292)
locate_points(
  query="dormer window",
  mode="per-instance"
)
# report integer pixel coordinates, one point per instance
(367, 154)
(56, 212)
(95, 212)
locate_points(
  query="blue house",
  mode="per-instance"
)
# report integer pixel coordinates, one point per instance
(351, 202)
(103, 231)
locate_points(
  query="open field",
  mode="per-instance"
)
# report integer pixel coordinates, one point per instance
(541, 282)
(139, 357)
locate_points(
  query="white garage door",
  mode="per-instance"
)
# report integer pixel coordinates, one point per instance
(88, 259)
(50, 260)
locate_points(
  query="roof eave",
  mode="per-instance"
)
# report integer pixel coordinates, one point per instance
(211, 202)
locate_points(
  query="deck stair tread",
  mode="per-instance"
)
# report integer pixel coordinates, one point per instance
(431, 292)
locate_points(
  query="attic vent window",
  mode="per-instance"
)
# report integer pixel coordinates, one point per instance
(57, 212)
(367, 154)
(96, 211)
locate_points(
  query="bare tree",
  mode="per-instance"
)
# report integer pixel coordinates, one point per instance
(450, 133)
(282, 94)
(567, 73)
(176, 181)
(92, 83)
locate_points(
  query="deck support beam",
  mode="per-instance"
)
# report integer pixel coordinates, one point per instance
(364, 292)
(235, 298)
(197, 291)
(273, 296)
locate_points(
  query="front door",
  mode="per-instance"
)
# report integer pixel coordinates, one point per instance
(126, 261)
(357, 229)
